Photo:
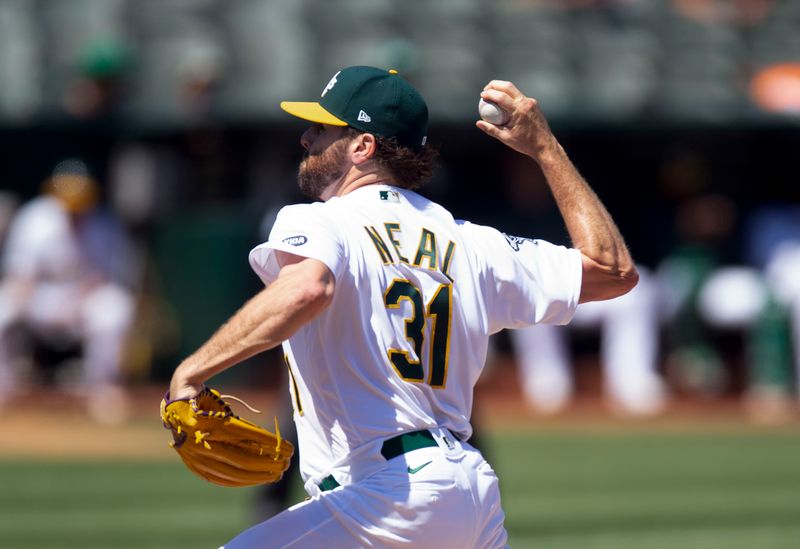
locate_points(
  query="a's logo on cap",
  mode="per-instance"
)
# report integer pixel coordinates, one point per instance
(424, 140)
(364, 117)
(330, 85)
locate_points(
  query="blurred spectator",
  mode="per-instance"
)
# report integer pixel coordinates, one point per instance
(772, 243)
(704, 226)
(776, 88)
(68, 279)
(707, 292)
(738, 12)
(98, 82)
(200, 73)
(8, 205)
(629, 331)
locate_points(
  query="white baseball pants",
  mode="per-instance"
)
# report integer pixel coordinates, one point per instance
(436, 497)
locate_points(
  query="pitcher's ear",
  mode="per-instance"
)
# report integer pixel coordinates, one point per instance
(363, 147)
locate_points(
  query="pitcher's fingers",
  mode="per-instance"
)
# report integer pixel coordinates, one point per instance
(503, 100)
(504, 86)
(490, 129)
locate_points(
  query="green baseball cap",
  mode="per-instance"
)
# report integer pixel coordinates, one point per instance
(372, 100)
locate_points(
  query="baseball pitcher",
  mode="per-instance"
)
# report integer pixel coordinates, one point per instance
(384, 304)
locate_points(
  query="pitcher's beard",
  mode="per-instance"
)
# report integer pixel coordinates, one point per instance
(318, 171)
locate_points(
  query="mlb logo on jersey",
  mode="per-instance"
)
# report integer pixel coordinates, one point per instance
(389, 196)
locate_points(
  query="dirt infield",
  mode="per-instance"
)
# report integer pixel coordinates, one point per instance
(51, 425)
(47, 437)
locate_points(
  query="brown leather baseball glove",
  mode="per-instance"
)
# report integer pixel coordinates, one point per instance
(221, 447)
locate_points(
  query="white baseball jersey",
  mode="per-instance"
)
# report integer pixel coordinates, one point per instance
(42, 246)
(404, 339)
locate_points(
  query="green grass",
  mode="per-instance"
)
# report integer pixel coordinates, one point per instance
(109, 505)
(573, 489)
(654, 491)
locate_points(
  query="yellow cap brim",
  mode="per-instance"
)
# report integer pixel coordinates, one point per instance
(311, 111)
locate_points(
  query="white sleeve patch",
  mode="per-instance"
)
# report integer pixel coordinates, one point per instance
(303, 230)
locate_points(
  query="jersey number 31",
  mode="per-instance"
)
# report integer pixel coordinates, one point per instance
(438, 312)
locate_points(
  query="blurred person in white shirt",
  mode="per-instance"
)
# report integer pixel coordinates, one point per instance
(67, 278)
(629, 355)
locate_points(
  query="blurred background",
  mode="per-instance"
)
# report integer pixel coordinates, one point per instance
(144, 155)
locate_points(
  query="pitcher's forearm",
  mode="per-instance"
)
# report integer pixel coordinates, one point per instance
(608, 270)
(241, 337)
(589, 224)
(264, 322)
(245, 334)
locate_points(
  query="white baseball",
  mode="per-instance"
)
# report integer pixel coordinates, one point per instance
(492, 113)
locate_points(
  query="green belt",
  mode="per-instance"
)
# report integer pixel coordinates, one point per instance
(393, 447)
